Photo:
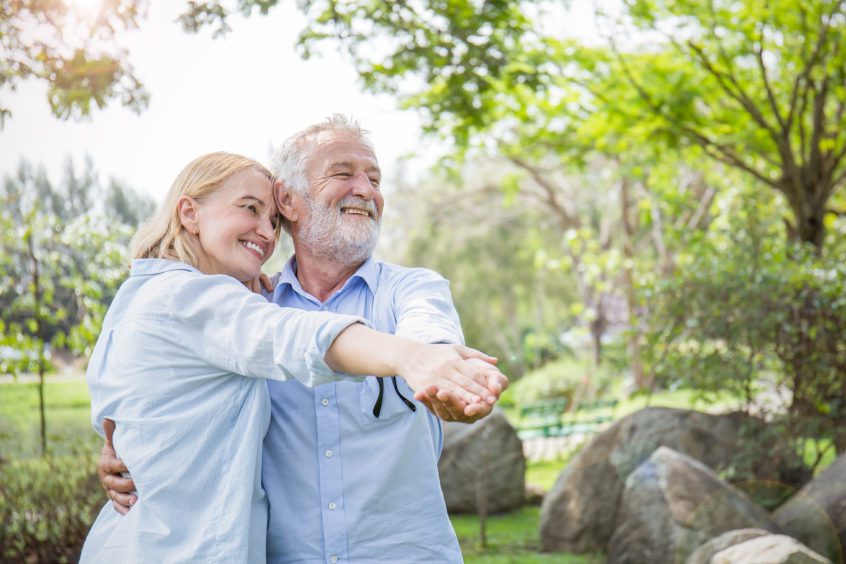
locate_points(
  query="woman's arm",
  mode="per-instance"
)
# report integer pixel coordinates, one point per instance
(361, 350)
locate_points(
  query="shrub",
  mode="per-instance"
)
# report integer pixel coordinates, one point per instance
(563, 378)
(47, 506)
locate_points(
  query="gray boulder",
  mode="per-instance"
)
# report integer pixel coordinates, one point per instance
(671, 505)
(705, 552)
(816, 515)
(482, 463)
(769, 549)
(579, 513)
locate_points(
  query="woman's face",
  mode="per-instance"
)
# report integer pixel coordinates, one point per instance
(237, 226)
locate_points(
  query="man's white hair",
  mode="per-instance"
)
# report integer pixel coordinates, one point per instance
(290, 160)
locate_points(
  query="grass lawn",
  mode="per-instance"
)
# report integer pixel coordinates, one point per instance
(67, 413)
(511, 538)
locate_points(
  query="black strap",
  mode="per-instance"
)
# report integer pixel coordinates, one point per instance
(377, 407)
(407, 402)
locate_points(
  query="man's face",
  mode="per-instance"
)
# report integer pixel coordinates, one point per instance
(341, 215)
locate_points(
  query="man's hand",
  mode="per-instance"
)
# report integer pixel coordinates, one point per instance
(256, 284)
(449, 407)
(109, 468)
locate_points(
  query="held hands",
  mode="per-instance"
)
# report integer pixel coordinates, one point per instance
(110, 469)
(462, 384)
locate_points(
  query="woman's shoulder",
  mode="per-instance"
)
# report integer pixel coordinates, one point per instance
(169, 285)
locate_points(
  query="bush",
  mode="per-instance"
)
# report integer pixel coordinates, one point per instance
(47, 506)
(749, 312)
(563, 378)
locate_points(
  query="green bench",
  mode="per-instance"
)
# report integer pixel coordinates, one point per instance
(542, 419)
(589, 415)
(550, 418)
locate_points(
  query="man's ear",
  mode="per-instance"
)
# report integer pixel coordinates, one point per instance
(285, 201)
(188, 210)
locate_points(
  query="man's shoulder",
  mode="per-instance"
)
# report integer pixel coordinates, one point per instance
(394, 275)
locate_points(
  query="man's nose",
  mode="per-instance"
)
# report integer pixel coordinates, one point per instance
(363, 187)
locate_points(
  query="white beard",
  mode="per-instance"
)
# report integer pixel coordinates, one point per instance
(328, 234)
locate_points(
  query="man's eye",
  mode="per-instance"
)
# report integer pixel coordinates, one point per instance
(374, 181)
(342, 175)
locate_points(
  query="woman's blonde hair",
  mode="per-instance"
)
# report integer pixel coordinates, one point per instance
(162, 235)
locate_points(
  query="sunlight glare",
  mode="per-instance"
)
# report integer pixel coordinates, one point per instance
(85, 8)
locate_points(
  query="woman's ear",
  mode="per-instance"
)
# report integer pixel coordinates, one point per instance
(285, 201)
(187, 208)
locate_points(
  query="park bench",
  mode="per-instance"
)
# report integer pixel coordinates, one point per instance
(542, 419)
(549, 418)
(587, 416)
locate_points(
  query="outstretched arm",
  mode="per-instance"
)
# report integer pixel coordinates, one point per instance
(459, 370)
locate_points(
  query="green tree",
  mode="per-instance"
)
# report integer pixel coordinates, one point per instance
(757, 85)
(748, 312)
(74, 52)
(63, 257)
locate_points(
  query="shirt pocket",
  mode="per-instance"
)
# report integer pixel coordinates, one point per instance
(395, 403)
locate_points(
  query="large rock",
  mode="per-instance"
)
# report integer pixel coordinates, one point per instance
(482, 462)
(705, 552)
(769, 549)
(816, 515)
(671, 505)
(579, 513)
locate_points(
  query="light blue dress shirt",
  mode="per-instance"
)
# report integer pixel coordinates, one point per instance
(343, 485)
(169, 369)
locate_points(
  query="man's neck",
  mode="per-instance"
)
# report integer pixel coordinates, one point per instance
(319, 276)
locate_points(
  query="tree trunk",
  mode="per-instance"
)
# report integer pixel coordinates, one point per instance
(36, 284)
(631, 299)
(808, 210)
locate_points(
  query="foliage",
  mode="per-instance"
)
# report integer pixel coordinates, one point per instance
(488, 249)
(567, 377)
(744, 304)
(75, 52)
(62, 260)
(757, 85)
(47, 505)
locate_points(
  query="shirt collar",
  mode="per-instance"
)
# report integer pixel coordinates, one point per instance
(150, 266)
(368, 271)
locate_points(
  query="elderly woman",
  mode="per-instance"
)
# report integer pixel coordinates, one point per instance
(181, 361)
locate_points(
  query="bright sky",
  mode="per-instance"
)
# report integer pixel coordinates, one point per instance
(244, 93)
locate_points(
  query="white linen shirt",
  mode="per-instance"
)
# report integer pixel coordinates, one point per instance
(169, 369)
(345, 486)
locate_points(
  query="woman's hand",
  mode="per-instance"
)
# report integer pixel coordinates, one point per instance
(454, 372)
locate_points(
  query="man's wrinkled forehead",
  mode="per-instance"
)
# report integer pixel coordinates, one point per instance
(332, 147)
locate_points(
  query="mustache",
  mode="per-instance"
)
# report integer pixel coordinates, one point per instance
(356, 202)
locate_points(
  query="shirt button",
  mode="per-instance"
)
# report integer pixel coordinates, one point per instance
(327, 453)
(333, 559)
(324, 401)
(332, 505)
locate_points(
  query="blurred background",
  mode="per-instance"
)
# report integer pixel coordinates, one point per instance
(638, 203)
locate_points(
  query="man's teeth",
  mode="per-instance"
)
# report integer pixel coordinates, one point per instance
(253, 246)
(357, 211)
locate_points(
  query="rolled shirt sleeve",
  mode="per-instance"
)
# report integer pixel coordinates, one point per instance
(239, 331)
(424, 308)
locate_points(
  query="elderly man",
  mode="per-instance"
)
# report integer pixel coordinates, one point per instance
(350, 468)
